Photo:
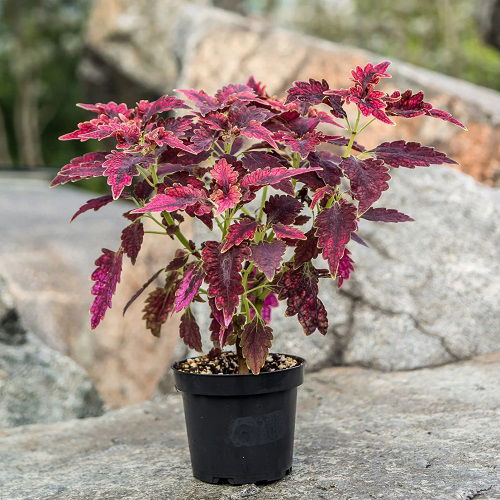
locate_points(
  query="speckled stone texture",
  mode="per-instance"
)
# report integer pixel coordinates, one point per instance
(422, 434)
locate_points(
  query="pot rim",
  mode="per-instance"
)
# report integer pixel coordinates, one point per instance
(302, 363)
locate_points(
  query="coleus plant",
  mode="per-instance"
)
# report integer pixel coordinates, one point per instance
(267, 175)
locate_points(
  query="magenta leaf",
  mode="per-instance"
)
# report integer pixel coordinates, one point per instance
(132, 237)
(368, 180)
(302, 145)
(111, 109)
(409, 154)
(227, 194)
(138, 293)
(345, 267)
(288, 232)
(189, 286)
(255, 130)
(106, 277)
(120, 168)
(164, 103)
(201, 99)
(386, 215)
(238, 232)
(319, 194)
(334, 226)
(82, 167)
(189, 331)
(177, 197)
(282, 208)
(267, 256)
(300, 289)
(268, 176)
(311, 92)
(223, 275)
(269, 302)
(256, 339)
(94, 204)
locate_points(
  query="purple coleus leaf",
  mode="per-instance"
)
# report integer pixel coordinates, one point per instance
(189, 286)
(121, 168)
(368, 179)
(164, 103)
(269, 302)
(267, 256)
(106, 277)
(83, 167)
(132, 237)
(311, 92)
(93, 204)
(288, 232)
(189, 331)
(268, 176)
(386, 215)
(409, 154)
(282, 208)
(300, 289)
(223, 275)
(334, 226)
(329, 163)
(253, 160)
(306, 250)
(256, 339)
(201, 99)
(226, 194)
(239, 232)
(138, 293)
(302, 145)
(158, 306)
(175, 198)
(345, 267)
(319, 194)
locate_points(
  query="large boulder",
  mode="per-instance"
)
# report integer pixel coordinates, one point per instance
(38, 384)
(428, 433)
(46, 263)
(205, 47)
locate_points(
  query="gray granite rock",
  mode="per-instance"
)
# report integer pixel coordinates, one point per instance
(37, 384)
(426, 434)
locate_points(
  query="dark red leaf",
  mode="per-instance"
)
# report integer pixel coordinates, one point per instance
(345, 267)
(306, 250)
(180, 260)
(282, 208)
(106, 277)
(139, 292)
(368, 179)
(267, 256)
(255, 342)
(201, 99)
(223, 275)
(132, 237)
(238, 232)
(288, 232)
(164, 103)
(355, 237)
(268, 176)
(227, 194)
(386, 215)
(302, 145)
(311, 92)
(329, 164)
(94, 204)
(344, 141)
(409, 154)
(334, 226)
(253, 160)
(300, 289)
(189, 331)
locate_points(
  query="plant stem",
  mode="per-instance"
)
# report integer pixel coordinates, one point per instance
(354, 132)
(262, 202)
(242, 364)
(178, 234)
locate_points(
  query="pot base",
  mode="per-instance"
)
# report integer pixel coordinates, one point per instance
(238, 481)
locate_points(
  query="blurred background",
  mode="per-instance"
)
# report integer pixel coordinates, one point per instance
(421, 296)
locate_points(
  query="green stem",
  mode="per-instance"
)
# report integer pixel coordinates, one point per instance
(354, 132)
(145, 175)
(262, 202)
(178, 234)
(365, 125)
(256, 288)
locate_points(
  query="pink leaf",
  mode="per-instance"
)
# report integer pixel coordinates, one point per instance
(302, 145)
(256, 340)
(269, 302)
(189, 286)
(333, 228)
(201, 99)
(409, 155)
(132, 237)
(106, 277)
(385, 215)
(94, 204)
(224, 174)
(268, 176)
(82, 167)
(267, 256)
(227, 195)
(223, 275)
(238, 232)
(288, 232)
(255, 130)
(121, 168)
(189, 331)
(164, 103)
(368, 180)
(175, 198)
(319, 194)
(345, 267)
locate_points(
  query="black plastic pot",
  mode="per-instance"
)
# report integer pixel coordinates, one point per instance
(240, 427)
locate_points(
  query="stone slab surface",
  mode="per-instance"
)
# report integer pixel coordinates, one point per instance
(422, 434)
